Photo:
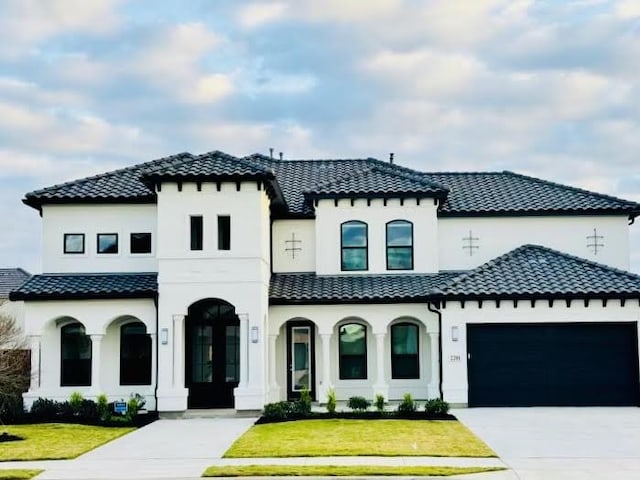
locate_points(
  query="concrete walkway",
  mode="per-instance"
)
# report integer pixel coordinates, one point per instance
(184, 448)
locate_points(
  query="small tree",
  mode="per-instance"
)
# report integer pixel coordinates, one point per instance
(14, 368)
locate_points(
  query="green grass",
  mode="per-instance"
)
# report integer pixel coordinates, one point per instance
(344, 437)
(54, 441)
(18, 474)
(338, 471)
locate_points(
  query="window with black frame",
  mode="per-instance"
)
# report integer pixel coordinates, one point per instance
(353, 352)
(405, 357)
(400, 245)
(354, 246)
(75, 348)
(135, 354)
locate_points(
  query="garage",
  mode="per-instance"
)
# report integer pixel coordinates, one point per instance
(553, 364)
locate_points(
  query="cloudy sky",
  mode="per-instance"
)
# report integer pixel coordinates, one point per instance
(547, 88)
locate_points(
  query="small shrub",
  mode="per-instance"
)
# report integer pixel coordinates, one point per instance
(89, 410)
(102, 408)
(65, 410)
(75, 402)
(302, 406)
(435, 406)
(358, 404)
(379, 403)
(407, 406)
(11, 408)
(331, 401)
(278, 410)
(134, 405)
(44, 409)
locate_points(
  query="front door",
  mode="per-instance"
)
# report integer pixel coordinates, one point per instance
(212, 365)
(300, 359)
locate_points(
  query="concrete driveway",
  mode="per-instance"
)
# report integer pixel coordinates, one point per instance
(561, 443)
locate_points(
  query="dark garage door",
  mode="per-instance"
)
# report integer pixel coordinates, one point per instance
(553, 364)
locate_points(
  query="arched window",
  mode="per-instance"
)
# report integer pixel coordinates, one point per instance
(354, 246)
(405, 357)
(400, 245)
(135, 354)
(75, 348)
(353, 352)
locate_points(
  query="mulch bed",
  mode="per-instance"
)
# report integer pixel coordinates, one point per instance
(357, 416)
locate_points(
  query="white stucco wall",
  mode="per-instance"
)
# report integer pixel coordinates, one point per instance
(425, 232)
(299, 234)
(454, 354)
(378, 320)
(239, 276)
(499, 235)
(91, 220)
(102, 320)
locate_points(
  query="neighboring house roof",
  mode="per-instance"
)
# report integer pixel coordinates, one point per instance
(532, 271)
(309, 288)
(10, 279)
(469, 194)
(76, 286)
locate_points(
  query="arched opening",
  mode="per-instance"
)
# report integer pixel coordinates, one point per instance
(75, 349)
(135, 354)
(212, 367)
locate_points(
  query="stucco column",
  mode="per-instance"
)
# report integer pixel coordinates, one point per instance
(34, 340)
(244, 350)
(96, 362)
(178, 351)
(434, 384)
(274, 388)
(381, 387)
(326, 368)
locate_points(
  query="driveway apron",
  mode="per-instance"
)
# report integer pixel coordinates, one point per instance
(561, 443)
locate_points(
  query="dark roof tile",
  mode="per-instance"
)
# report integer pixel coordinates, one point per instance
(533, 271)
(83, 286)
(309, 288)
(10, 279)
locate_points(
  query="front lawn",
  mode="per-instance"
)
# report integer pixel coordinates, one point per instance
(343, 437)
(339, 471)
(54, 441)
(14, 474)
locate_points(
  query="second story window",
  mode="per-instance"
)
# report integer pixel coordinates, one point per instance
(74, 243)
(107, 243)
(224, 232)
(400, 245)
(197, 232)
(354, 246)
(140, 243)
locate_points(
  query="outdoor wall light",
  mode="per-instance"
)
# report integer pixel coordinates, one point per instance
(254, 334)
(164, 336)
(454, 333)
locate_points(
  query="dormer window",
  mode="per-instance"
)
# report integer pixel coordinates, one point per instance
(74, 243)
(400, 245)
(354, 246)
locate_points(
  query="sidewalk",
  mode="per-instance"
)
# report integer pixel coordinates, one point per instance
(184, 448)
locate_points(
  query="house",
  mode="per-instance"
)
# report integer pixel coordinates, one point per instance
(11, 279)
(203, 281)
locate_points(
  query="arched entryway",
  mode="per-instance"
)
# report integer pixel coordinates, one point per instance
(212, 363)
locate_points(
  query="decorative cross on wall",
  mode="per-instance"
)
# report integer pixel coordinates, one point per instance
(468, 243)
(594, 242)
(293, 245)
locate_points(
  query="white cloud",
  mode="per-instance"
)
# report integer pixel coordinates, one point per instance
(628, 9)
(26, 23)
(256, 14)
(172, 62)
